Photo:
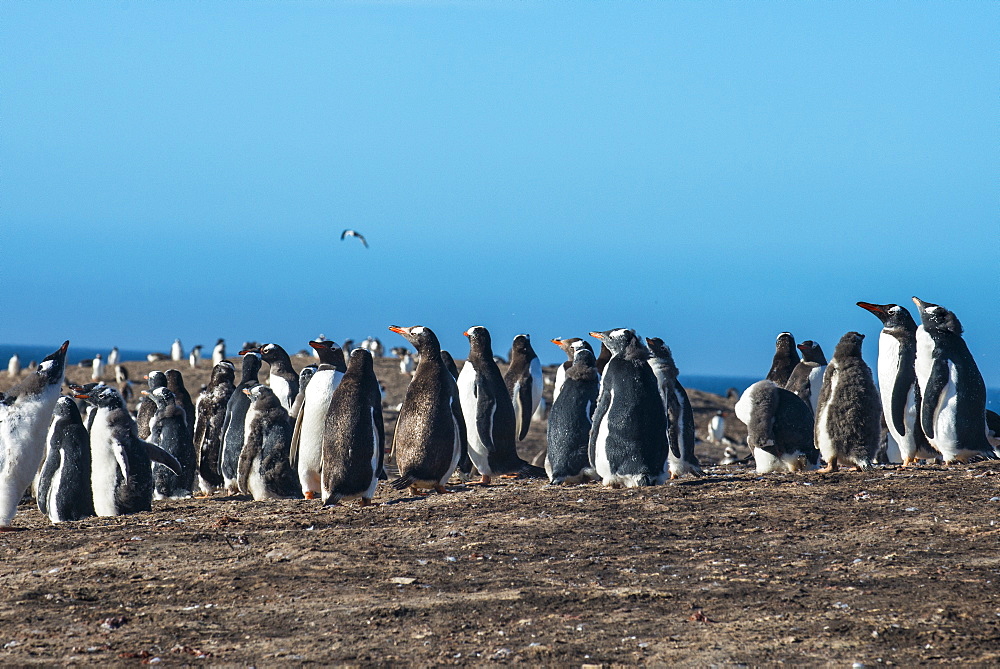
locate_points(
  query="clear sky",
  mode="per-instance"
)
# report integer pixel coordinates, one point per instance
(710, 173)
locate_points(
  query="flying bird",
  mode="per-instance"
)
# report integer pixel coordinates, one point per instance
(353, 233)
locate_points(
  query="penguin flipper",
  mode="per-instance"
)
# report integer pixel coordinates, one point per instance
(897, 410)
(157, 454)
(463, 435)
(293, 452)
(486, 406)
(936, 383)
(522, 409)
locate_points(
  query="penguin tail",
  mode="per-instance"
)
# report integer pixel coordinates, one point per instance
(530, 471)
(402, 483)
(332, 500)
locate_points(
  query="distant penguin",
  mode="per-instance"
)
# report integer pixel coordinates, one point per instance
(25, 414)
(176, 351)
(64, 480)
(282, 378)
(305, 376)
(897, 380)
(430, 436)
(628, 443)
(114, 357)
(147, 407)
(121, 474)
(210, 414)
(194, 357)
(568, 347)
(785, 359)
(121, 373)
(407, 364)
(570, 419)
(168, 429)
(175, 382)
(97, 369)
(354, 435)
(14, 366)
(717, 427)
(234, 425)
(952, 390)
(993, 428)
(264, 469)
(681, 459)
(488, 412)
(307, 438)
(219, 352)
(806, 380)
(524, 382)
(779, 428)
(848, 417)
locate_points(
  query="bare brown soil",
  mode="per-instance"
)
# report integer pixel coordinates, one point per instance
(888, 567)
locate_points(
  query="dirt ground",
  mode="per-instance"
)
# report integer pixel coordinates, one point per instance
(888, 567)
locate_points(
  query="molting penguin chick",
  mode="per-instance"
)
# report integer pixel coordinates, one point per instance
(430, 436)
(779, 428)
(568, 347)
(806, 379)
(234, 424)
(952, 390)
(524, 383)
(147, 407)
(168, 430)
(354, 434)
(680, 416)
(210, 414)
(264, 469)
(64, 480)
(175, 383)
(628, 442)
(570, 420)
(785, 359)
(849, 414)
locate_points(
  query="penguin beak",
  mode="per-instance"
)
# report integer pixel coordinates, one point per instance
(144, 392)
(557, 342)
(246, 391)
(874, 308)
(597, 335)
(920, 303)
(466, 333)
(317, 344)
(249, 350)
(399, 330)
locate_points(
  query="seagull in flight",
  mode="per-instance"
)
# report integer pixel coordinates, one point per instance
(353, 233)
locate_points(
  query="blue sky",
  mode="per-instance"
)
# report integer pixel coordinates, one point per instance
(710, 173)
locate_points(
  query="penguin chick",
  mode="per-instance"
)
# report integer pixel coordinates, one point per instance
(570, 420)
(806, 379)
(264, 469)
(779, 428)
(681, 459)
(785, 359)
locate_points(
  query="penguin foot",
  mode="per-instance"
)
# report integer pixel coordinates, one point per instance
(486, 480)
(417, 491)
(829, 469)
(309, 494)
(441, 490)
(509, 476)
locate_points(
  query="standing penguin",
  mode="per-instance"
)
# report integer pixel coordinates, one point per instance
(806, 380)
(121, 474)
(114, 357)
(175, 383)
(307, 437)
(430, 436)
(210, 414)
(194, 357)
(570, 419)
(168, 429)
(628, 443)
(64, 480)
(681, 459)
(488, 412)
(283, 379)
(147, 407)
(717, 427)
(176, 351)
(354, 435)
(849, 415)
(25, 413)
(897, 381)
(568, 347)
(952, 390)
(305, 376)
(219, 352)
(264, 470)
(234, 425)
(524, 383)
(14, 366)
(779, 428)
(97, 368)
(785, 359)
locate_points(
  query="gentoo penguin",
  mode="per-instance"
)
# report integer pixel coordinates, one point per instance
(407, 364)
(147, 407)
(568, 347)
(848, 417)
(121, 474)
(234, 425)
(524, 382)
(219, 352)
(785, 359)
(168, 429)
(305, 376)
(14, 366)
(568, 432)
(97, 369)
(717, 427)
(354, 435)
(430, 436)
(307, 438)
(25, 413)
(175, 382)
(628, 443)
(194, 356)
(264, 470)
(449, 362)
(952, 391)
(176, 351)
(897, 380)
(64, 480)
(282, 378)
(210, 414)
(806, 379)
(488, 412)
(121, 373)
(779, 428)
(114, 357)
(681, 459)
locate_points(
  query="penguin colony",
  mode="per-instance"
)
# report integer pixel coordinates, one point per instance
(625, 421)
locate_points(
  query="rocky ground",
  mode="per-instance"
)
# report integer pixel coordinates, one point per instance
(893, 566)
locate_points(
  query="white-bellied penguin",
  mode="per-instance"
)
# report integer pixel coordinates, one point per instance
(264, 469)
(307, 436)
(779, 428)
(567, 434)
(64, 481)
(681, 459)
(282, 377)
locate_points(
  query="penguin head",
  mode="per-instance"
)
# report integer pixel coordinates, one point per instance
(521, 346)
(422, 338)
(785, 343)
(156, 379)
(329, 353)
(618, 339)
(936, 317)
(65, 408)
(894, 317)
(269, 352)
(812, 352)
(101, 396)
(661, 351)
(223, 372)
(479, 339)
(53, 365)
(849, 346)
(306, 373)
(566, 344)
(584, 357)
(261, 394)
(360, 358)
(163, 397)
